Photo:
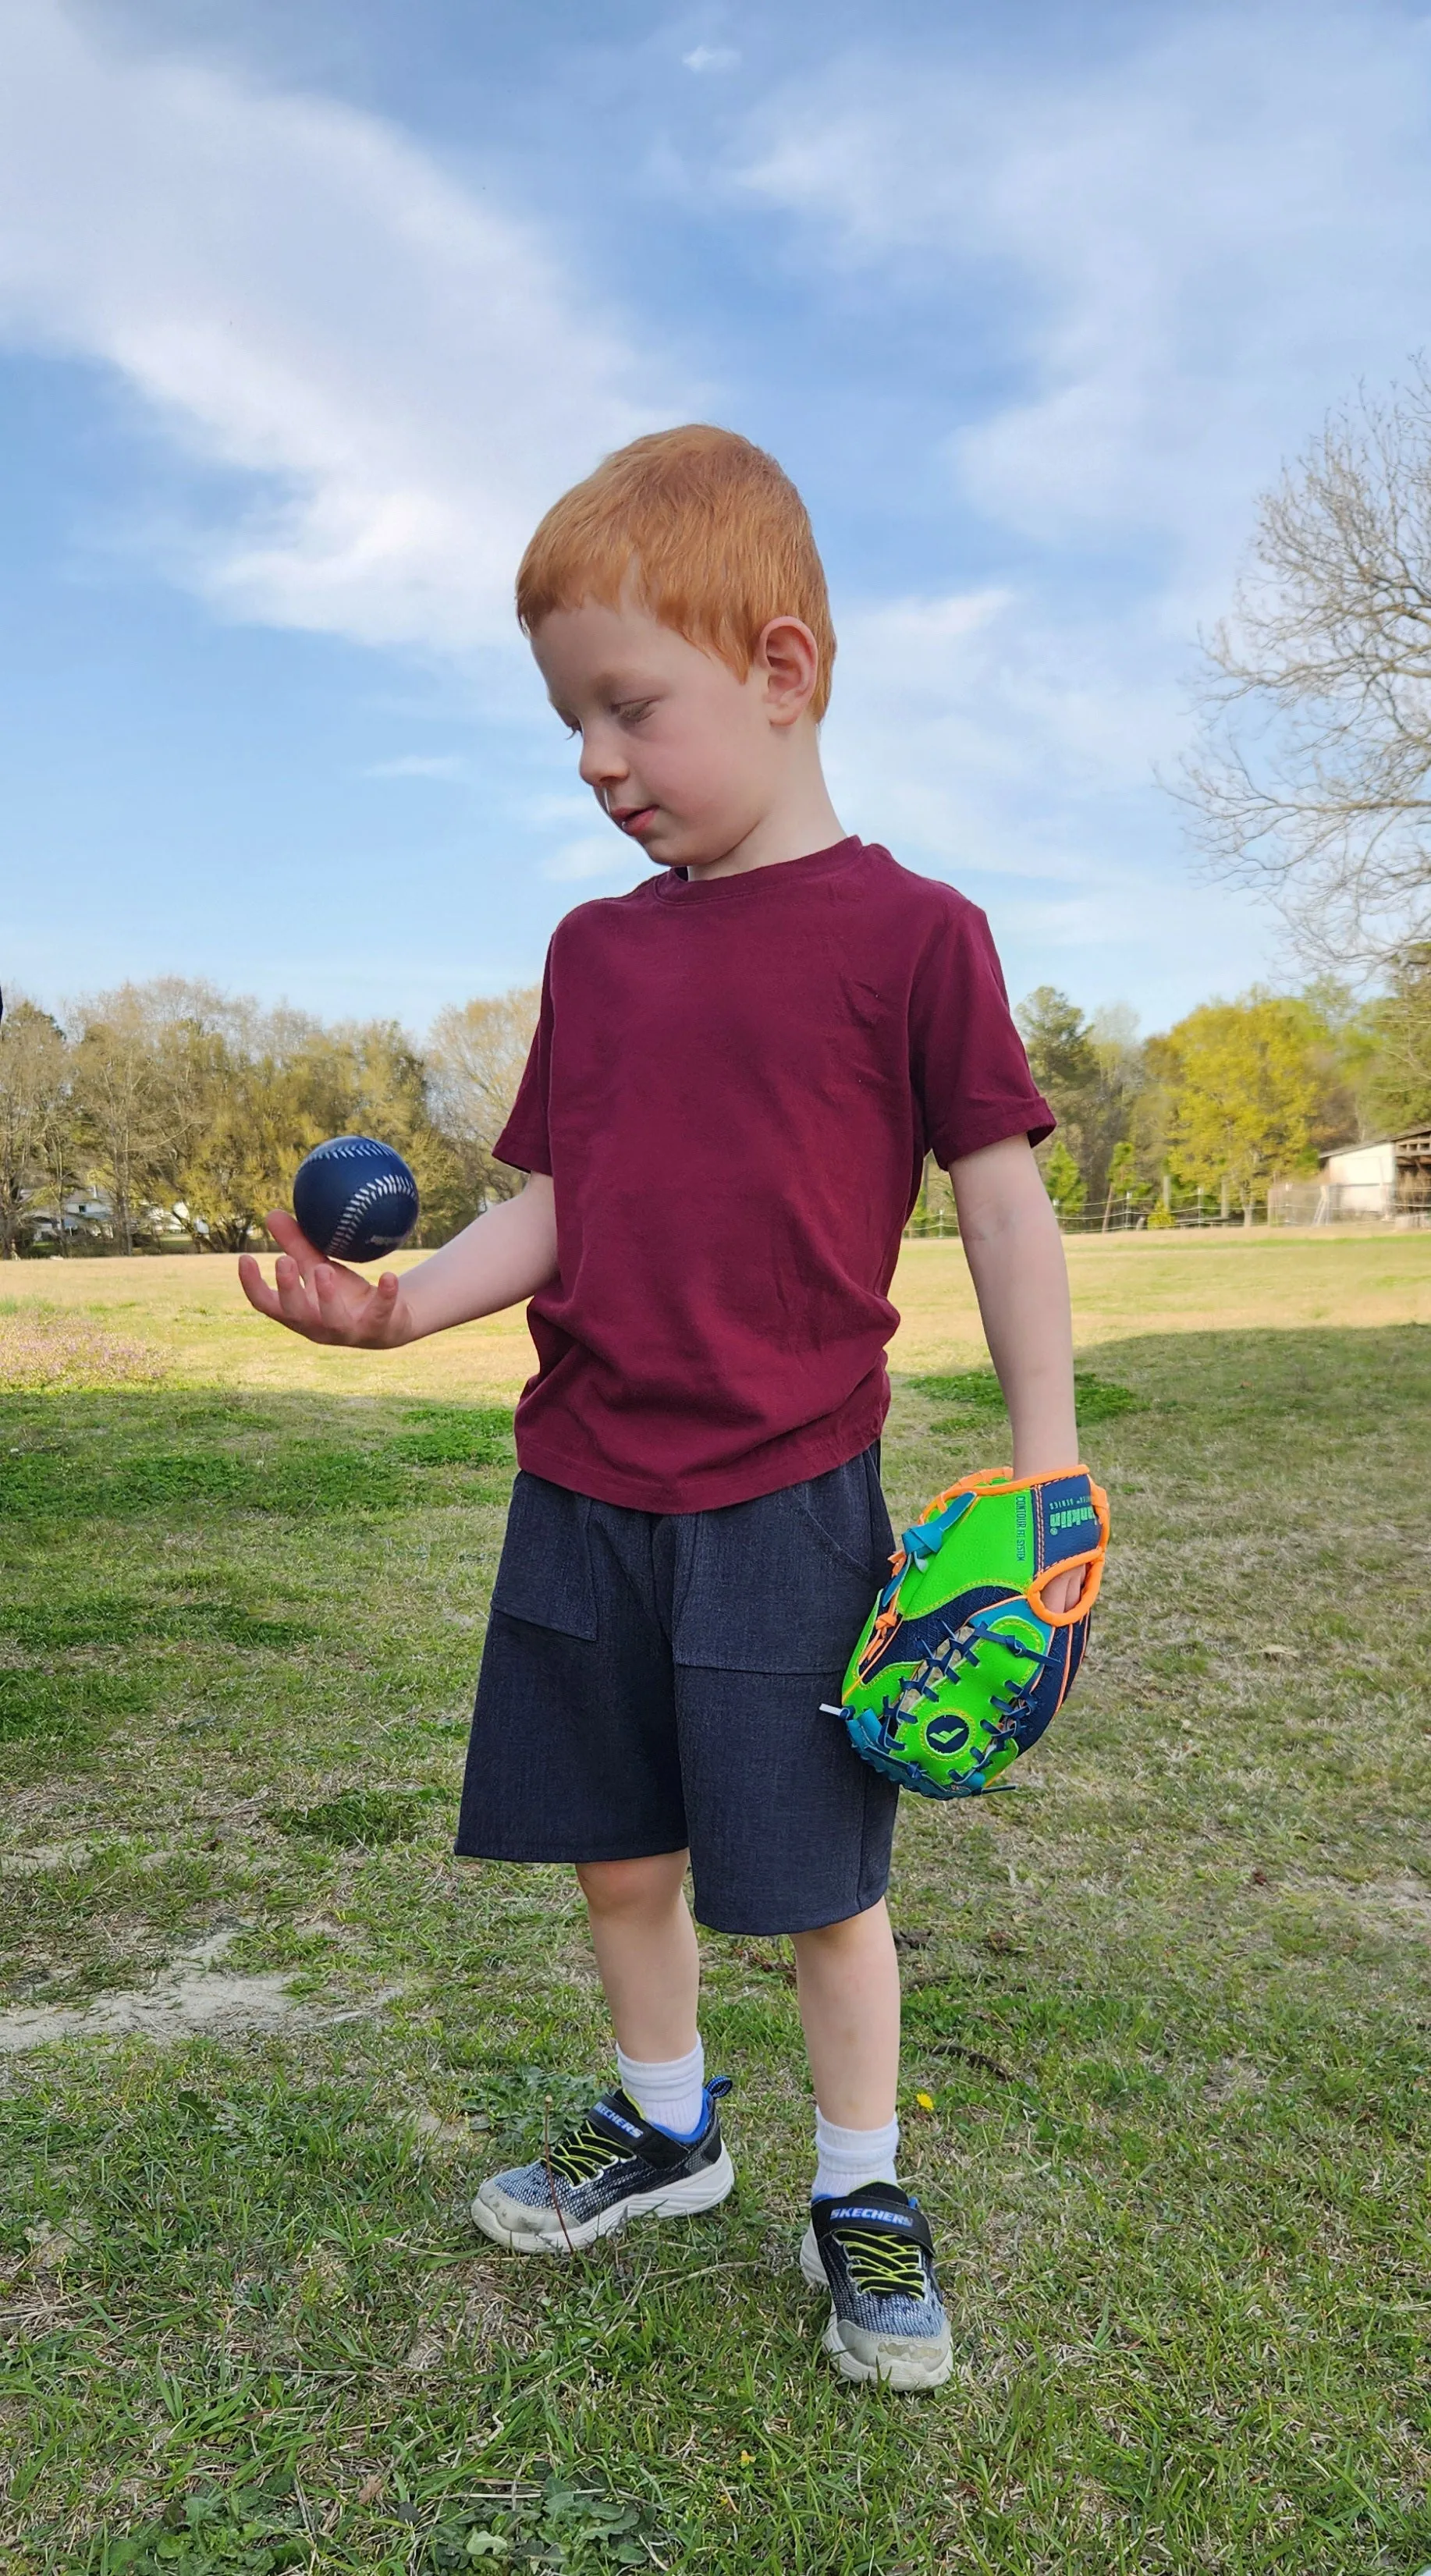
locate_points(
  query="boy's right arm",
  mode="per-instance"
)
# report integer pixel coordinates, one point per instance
(500, 1259)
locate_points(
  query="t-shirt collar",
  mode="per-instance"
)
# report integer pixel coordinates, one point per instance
(676, 886)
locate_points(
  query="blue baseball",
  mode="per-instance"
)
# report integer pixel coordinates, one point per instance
(355, 1198)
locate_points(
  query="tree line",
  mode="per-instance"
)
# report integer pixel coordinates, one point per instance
(169, 1113)
(173, 1112)
(1203, 1119)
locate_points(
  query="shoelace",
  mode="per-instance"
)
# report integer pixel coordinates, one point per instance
(581, 2153)
(882, 2266)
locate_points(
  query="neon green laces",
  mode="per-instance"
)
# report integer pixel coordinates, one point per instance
(883, 2266)
(582, 2153)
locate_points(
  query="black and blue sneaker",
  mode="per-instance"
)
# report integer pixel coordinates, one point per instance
(611, 2165)
(873, 2252)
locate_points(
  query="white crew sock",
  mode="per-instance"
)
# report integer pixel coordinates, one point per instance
(670, 2092)
(848, 2157)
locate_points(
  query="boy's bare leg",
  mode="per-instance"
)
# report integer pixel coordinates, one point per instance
(645, 1944)
(604, 2171)
(849, 2003)
(868, 2243)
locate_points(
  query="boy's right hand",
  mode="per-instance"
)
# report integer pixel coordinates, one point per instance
(320, 1298)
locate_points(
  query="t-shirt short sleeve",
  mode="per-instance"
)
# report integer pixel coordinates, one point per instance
(525, 1141)
(970, 1071)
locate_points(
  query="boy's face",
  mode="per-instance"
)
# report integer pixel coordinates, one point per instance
(684, 757)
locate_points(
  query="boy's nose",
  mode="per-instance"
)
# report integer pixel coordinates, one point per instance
(601, 763)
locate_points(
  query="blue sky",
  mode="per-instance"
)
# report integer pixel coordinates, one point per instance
(306, 314)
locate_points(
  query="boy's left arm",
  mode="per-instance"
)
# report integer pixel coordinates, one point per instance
(1015, 1255)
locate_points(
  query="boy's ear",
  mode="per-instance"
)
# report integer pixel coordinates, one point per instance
(788, 659)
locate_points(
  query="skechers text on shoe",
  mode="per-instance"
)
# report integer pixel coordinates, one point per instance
(872, 2250)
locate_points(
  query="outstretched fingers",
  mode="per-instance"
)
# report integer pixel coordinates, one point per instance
(297, 1293)
(318, 1297)
(287, 1301)
(257, 1290)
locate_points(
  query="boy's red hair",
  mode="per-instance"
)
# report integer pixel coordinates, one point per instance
(714, 537)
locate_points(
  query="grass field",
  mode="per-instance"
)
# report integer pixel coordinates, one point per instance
(259, 2034)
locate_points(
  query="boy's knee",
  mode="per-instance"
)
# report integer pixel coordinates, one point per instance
(852, 1932)
(631, 1886)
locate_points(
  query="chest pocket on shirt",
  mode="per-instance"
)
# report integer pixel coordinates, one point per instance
(784, 1584)
(545, 1573)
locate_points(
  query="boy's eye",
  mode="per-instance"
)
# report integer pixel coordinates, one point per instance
(634, 709)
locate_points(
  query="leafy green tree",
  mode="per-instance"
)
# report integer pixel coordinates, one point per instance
(1063, 1180)
(1126, 1188)
(239, 1160)
(1090, 1072)
(1244, 1083)
(367, 1077)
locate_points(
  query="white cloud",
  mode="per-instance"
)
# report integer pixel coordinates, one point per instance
(1189, 250)
(301, 294)
(1171, 264)
(711, 58)
(941, 701)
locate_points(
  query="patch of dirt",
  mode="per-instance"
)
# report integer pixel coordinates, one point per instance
(42, 1858)
(190, 1994)
(1404, 1901)
(443, 2136)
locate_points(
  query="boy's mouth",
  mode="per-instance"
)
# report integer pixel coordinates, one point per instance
(633, 818)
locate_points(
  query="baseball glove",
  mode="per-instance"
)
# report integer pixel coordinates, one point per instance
(960, 1666)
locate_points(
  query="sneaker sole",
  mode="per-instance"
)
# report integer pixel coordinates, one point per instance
(521, 2230)
(894, 2361)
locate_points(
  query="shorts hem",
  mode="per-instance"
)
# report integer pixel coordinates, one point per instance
(572, 1858)
(799, 1918)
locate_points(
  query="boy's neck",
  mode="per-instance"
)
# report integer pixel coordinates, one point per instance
(799, 822)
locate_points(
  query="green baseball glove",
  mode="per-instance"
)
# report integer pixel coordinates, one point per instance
(961, 1666)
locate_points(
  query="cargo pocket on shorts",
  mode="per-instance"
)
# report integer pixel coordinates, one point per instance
(784, 1584)
(545, 1572)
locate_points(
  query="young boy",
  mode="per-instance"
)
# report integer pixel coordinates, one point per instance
(738, 1071)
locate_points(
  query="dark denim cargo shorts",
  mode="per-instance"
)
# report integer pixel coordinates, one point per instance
(652, 1682)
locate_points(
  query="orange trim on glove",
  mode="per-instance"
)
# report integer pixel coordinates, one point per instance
(1002, 1480)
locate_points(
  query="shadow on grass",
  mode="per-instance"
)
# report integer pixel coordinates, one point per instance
(1358, 1378)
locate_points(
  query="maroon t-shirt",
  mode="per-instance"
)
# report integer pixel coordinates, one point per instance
(733, 1085)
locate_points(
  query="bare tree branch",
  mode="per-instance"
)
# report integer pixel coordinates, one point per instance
(1312, 779)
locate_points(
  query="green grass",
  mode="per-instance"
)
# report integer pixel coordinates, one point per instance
(976, 1395)
(1170, 2001)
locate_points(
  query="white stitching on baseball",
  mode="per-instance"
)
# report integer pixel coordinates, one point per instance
(345, 1145)
(350, 1223)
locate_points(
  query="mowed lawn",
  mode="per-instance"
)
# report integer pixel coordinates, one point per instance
(1169, 1998)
